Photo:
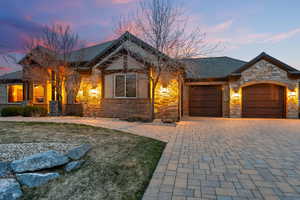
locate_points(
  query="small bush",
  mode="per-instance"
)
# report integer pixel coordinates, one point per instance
(27, 111)
(138, 119)
(12, 111)
(34, 111)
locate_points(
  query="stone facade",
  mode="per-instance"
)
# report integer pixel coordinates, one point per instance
(264, 72)
(185, 99)
(167, 101)
(118, 108)
(226, 100)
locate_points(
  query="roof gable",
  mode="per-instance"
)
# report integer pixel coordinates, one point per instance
(270, 59)
(107, 61)
(118, 43)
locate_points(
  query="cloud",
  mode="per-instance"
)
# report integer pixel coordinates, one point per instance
(283, 36)
(122, 1)
(220, 27)
(4, 69)
(102, 2)
(15, 32)
(241, 38)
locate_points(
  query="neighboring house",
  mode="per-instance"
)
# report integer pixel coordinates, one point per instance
(213, 87)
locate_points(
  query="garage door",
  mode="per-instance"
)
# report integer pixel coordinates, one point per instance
(263, 100)
(206, 101)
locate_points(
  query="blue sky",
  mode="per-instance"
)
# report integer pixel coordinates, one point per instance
(245, 28)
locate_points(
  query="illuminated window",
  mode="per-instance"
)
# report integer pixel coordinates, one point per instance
(125, 85)
(38, 94)
(15, 93)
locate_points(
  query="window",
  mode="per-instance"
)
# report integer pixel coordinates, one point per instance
(15, 93)
(38, 94)
(125, 85)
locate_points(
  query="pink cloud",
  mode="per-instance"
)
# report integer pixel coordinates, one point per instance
(64, 23)
(283, 36)
(102, 2)
(122, 1)
(220, 27)
(4, 70)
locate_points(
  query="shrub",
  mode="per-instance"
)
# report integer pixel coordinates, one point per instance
(138, 119)
(12, 111)
(34, 111)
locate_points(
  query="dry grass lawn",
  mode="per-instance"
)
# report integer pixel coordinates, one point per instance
(119, 166)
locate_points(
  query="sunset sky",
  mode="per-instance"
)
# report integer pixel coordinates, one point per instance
(245, 28)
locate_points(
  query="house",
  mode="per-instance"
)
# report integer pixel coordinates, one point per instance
(212, 87)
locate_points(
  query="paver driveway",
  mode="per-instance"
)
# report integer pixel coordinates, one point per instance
(230, 159)
(209, 158)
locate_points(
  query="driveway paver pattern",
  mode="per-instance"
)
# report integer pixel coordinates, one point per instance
(222, 159)
(230, 159)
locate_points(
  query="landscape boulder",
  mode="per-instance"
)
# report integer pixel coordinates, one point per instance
(73, 165)
(10, 189)
(39, 161)
(79, 152)
(4, 169)
(35, 179)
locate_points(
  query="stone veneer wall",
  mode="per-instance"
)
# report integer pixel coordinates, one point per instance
(118, 108)
(226, 99)
(167, 101)
(264, 72)
(166, 105)
(186, 99)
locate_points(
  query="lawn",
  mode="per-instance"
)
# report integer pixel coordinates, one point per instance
(119, 166)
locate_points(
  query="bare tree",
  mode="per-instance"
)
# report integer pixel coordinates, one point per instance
(164, 25)
(52, 57)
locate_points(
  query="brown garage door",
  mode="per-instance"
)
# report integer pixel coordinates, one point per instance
(206, 101)
(263, 100)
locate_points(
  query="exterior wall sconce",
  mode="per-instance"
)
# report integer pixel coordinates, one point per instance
(235, 96)
(93, 92)
(292, 94)
(164, 90)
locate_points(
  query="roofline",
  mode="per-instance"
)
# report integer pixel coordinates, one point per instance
(125, 37)
(209, 79)
(12, 81)
(213, 58)
(270, 59)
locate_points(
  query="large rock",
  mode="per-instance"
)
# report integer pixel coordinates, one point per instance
(10, 189)
(79, 152)
(39, 161)
(73, 165)
(4, 169)
(35, 179)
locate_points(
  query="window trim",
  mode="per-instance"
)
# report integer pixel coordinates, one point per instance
(45, 93)
(7, 93)
(115, 84)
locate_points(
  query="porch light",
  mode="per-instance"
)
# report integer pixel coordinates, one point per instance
(164, 90)
(292, 94)
(93, 92)
(236, 95)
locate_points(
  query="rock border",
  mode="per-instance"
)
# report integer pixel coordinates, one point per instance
(26, 171)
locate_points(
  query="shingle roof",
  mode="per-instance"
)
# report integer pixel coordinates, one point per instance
(87, 54)
(212, 67)
(18, 75)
